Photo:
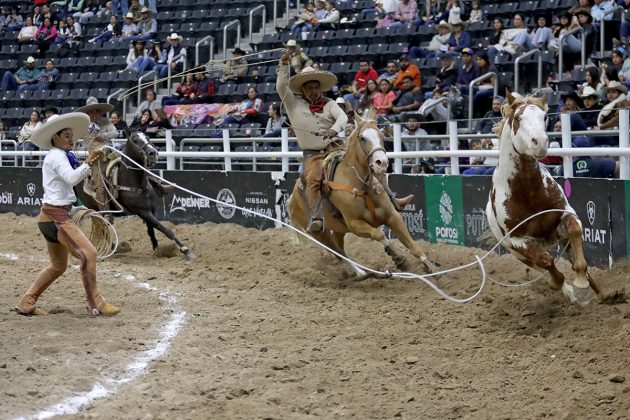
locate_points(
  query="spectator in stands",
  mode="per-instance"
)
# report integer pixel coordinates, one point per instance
(408, 69)
(493, 116)
(437, 108)
(142, 123)
(624, 71)
(182, 92)
(27, 131)
(106, 10)
(156, 56)
(572, 45)
(384, 17)
(121, 7)
(498, 28)
(112, 30)
(609, 115)
(275, 122)
(149, 103)
(135, 9)
(25, 74)
(408, 99)
(90, 8)
(45, 35)
(447, 75)
(459, 39)
(489, 163)
(304, 22)
(158, 125)
(406, 13)
(299, 59)
(476, 14)
(618, 56)
(69, 7)
(454, 8)
(204, 89)
(147, 26)
(129, 28)
(235, 68)
(365, 73)
(468, 71)
(120, 124)
(485, 89)
(320, 9)
(28, 32)
(585, 20)
(572, 102)
(247, 111)
(507, 36)
(70, 34)
(49, 112)
(366, 101)
(332, 17)
(37, 16)
(600, 8)
(539, 37)
(593, 79)
(438, 44)
(433, 12)
(593, 167)
(591, 106)
(135, 52)
(174, 49)
(390, 73)
(47, 13)
(13, 21)
(384, 98)
(44, 79)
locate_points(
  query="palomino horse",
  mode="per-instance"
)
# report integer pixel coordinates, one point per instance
(136, 193)
(361, 204)
(521, 188)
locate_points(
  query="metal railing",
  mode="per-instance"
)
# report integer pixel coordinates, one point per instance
(275, 13)
(211, 47)
(601, 28)
(561, 52)
(13, 144)
(170, 68)
(251, 21)
(146, 76)
(470, 92)
(238, 35)
(517, 70)
(116, 94)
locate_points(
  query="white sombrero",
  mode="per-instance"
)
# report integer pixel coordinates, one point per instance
(588, 91)
(326, 79)
(618, 86)
(92, 103)
(77, 121)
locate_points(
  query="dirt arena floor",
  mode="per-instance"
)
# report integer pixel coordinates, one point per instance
(257, 328)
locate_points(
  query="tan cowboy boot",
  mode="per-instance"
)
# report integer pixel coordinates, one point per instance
(108, 309)
(28, 302)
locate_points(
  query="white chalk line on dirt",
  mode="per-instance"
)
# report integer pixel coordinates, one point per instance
(108, 386)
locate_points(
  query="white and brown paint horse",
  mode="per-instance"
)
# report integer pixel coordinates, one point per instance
(521, 188)
(358, 195)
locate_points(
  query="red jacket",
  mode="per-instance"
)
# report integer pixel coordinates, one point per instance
(361, 78)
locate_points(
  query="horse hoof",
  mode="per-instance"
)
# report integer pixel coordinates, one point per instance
(579, 295)
(190, 256)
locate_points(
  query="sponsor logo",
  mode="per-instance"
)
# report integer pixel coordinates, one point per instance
(446, 208)
(6, 198)
(413, 219)
(226, 196)
(592, 234)
(30, 188)
(446, 233)
(257, 202)
(476, 222)
(179, 203)
(30, 200)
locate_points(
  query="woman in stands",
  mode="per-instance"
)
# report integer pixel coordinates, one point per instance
(384, 98)
(149, 103)
(26, 132)
(13, 21)
(112, 30)
(506, 40)
(184, 91)
(28, 32)
(156, 56)
(142, 124)
(71, 33)
(371, 89)
(609, 115)
(539, 37)
(158, 125)
(247, 111)
(135, 52)
(275, 122)
(120, 124)
(45, 35)
(593, 79)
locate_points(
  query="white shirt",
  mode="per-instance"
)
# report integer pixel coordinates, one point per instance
(58, 178)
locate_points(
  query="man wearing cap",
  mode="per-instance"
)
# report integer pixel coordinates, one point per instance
(43, 80)
(317, 121)
(174, 49)
(146, 26)
(61, 171)
(235, 68)
(439, 42)
(467, 72)
(591, 106)
(101, 132)
(23, 76)
(408, 69)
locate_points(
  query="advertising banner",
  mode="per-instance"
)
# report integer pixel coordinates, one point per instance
(249, 190)
(475, 191)
(197, 114)
(21, 190)
(415, 213)
(285, 188)
(445, 215)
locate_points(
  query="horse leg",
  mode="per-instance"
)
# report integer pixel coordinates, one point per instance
(150, 218)
(579, 292)
(537, 257)
(398, 226)
(151, 233)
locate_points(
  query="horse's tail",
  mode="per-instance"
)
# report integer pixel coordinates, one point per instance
(292, 209)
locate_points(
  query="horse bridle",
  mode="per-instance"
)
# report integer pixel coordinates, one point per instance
(365, 152)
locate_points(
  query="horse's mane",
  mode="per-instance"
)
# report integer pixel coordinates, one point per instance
(507, 109)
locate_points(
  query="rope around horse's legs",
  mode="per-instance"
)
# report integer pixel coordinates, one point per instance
(401, 275)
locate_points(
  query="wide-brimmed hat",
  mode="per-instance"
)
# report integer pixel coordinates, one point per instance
(77, 121)
(130, 16)
(618, 86)
(238, 50)
(144, 10)
(573, 95)
(174, 36)
(586, 12)
(444, 24)
(29, 60)
(93, 104)
(326, 79)
(588, 91)
(291, 43)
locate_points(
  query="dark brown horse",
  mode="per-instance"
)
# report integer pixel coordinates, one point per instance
(136, 194)
(361, 203)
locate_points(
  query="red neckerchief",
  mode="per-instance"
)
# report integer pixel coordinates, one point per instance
(318, 105)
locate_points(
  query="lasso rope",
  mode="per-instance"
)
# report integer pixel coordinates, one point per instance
(102, 234)
(400, 275)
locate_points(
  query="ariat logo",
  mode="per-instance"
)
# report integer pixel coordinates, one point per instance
(590, 212)
(30, 188)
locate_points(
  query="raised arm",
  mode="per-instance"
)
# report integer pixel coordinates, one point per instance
(282, 82)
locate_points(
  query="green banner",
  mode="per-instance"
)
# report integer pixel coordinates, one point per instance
(445, 213)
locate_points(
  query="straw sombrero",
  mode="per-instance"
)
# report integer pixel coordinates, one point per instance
(77, 121)
(92, 103)
(326, 79)
(618, 86)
